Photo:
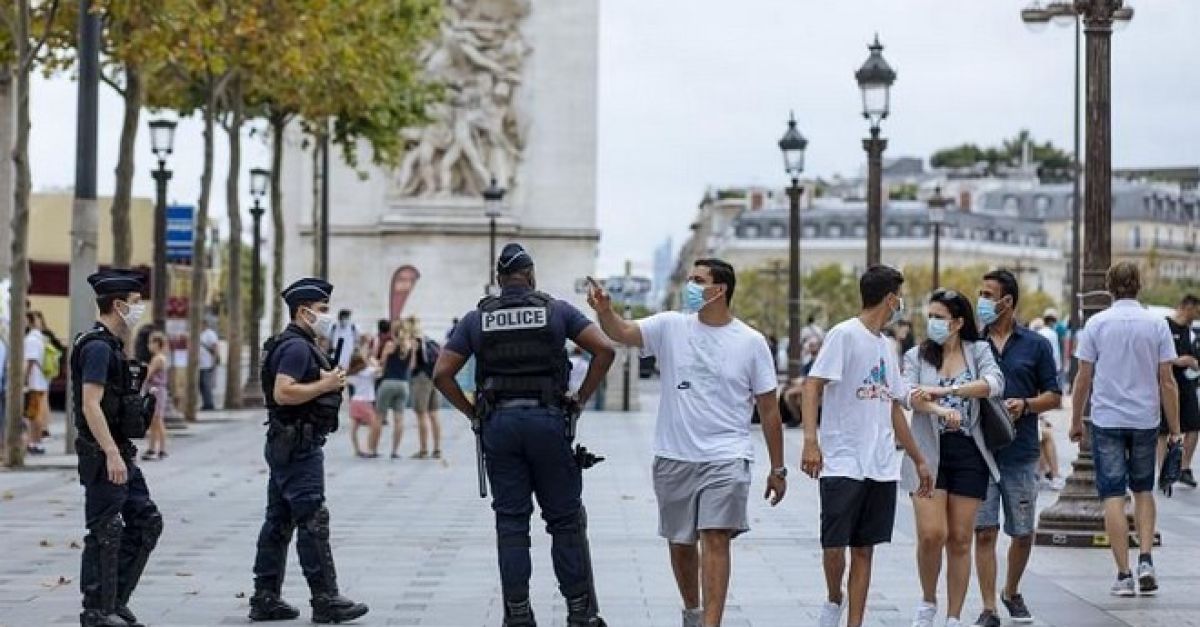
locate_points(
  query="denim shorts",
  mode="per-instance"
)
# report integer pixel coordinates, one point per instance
(1017, 493)
(1124, 460)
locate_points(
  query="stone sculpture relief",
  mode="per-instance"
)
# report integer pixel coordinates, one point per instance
(477, 133)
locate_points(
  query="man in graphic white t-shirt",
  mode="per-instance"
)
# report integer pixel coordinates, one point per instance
(855, 382)
(715, 370)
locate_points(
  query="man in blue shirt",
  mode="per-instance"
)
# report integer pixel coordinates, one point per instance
(1030, 388)
(523, 406)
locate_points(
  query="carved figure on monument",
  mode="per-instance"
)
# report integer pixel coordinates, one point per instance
(478, 135)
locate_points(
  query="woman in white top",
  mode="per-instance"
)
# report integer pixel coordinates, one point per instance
(948, 373)
(361, 376)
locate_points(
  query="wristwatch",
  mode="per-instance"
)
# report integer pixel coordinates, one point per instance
(955, 389)
(780, 472)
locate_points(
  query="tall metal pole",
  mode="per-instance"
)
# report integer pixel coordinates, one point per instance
(874, 147)
(161, 177)
(937, 255)
(625, 399)
(1073, 320)
(492, 255)
(794, 348)
(1077, 518)
(252, 394)
(84, 215)
(324, 267)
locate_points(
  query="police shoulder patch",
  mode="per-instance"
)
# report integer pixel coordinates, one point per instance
(514, 319)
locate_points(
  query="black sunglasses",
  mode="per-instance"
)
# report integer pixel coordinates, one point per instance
(944, 294)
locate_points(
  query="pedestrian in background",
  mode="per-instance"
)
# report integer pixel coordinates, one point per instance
(37, 386)
(425, 398)
(346, 331)
(1184, 369)
(1049, 475)
(856, 383)
(398, 359)
(209, 359)
(364, 371)
(1127, 352)
(1030, 389)
(950, 371)
(156, 384)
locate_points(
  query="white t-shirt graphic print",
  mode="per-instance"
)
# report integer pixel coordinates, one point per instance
(864, 379)
(710, 378)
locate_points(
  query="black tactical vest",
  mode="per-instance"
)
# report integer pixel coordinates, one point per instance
(321, 411)
(520, 356)
(122, 402)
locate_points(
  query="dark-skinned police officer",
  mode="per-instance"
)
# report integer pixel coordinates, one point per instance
(518, 339)
(303, 391)
(123, 523)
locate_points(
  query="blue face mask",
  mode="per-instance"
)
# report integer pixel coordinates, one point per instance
(986, 310)
(693, 297)
(938, 330)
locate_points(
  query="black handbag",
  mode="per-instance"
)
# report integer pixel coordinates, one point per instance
(998, 428)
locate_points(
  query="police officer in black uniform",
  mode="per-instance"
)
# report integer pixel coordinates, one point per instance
(108, 408)
(303, 391)
(518, 339)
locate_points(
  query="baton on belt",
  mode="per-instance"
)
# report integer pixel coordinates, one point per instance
(337, 351)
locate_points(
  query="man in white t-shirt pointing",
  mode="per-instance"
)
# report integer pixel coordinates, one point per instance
(715, 370)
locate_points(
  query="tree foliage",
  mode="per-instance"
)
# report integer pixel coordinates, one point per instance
(1008, 153)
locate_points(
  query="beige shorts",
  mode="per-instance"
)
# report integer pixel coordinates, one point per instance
(424, 395)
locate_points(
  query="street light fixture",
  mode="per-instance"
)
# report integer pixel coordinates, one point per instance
(493, 205)
(1036, 17)
(162, 143)
(937, 217)
(252, 394)
(875, 79)
(793, 146)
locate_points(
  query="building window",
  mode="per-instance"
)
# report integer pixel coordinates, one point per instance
(860, 230)
(891, 229)
(776, 231)
(1135, 237)
(835, 230)
(918, 230)
(1012, 205)
(751, 231)
(809, 231)
(1042, 206)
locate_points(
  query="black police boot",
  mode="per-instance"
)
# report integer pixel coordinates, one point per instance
(127, 616)
(582, 612)
(336, 608)
(267, 605)
(518, 614)
(97, 618)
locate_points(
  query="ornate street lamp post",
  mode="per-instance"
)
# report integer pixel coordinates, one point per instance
(493, 205)
(793, 145)
(252, 394)
(937, 217)
(162, 142)
(1077, 518)
(875, 79)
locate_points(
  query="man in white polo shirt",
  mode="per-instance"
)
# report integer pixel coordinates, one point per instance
(715, 371)
(1127, 352)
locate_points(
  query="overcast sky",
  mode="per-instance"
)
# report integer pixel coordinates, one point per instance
(696, 93)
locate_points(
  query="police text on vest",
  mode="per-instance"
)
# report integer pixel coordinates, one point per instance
(514, 319)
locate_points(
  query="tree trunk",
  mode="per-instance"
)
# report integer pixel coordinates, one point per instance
(122, 232)
(8, 131)
(278, 126)
(196, 301)
(233, 298)
(20, 261)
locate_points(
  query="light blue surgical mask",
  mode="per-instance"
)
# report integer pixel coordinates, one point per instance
(897, 313)
(693, 297)
(937, 330)
(986, 310)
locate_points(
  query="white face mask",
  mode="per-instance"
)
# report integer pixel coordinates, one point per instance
(324, 323)
(132, 315)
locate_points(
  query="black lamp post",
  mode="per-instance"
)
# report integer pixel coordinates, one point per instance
(875, 79)
(252, 394)
(937, 217)
(493, 204)
(1077, 518)
(793, 146)
(162, 142)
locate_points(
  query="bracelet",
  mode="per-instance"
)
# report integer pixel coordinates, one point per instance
(1024, 406)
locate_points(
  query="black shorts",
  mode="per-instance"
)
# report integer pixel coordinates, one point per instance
(856, 513)
(961, 468)
(1189, 410)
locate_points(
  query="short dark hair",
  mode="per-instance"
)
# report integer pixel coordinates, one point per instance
(345, 313)
(959, 307)
(1008, 283)
(294, 309)
(1124, 280)
(877, 282)
(107, 303)
(524, 275)
(383, 325)
(722, 274)
(1189, 300)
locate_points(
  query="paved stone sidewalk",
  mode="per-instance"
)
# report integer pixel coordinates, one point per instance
(413, 540)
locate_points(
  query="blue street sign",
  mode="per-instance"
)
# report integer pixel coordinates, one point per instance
(181, 227)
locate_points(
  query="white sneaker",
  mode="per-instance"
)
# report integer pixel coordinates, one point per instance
(693, 617)
(1123, 587)
(924, 615)
(831, 614)
(1058, 483)
(953, 622)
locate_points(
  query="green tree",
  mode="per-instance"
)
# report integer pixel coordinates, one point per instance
(1009, 152)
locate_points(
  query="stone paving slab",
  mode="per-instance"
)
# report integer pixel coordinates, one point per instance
(413, 540)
